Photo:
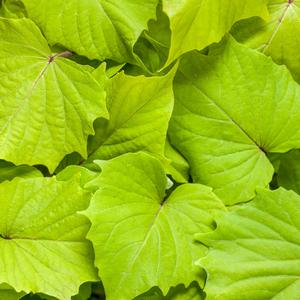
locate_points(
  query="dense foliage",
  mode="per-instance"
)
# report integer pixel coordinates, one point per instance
(149, 149)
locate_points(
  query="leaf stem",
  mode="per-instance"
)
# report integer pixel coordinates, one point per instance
(5, 237)
(62, 54)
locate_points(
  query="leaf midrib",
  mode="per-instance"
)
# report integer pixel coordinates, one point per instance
(277, 27)
(141, 247)
(224, 112)
(28, 95)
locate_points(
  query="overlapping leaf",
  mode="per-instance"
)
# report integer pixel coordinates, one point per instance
(9, 171)
(178, 167)
(255, 250)
(140, 109)
(98, 29)
(134, 228)
(289, 171)
(231, 107)
(7, 293)
(195, 24)
(42, 238)
(278, 36)
(12, 9)
(47, 105)
(180, 292)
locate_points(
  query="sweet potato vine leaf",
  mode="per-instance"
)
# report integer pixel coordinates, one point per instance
(134, 228)
(231, 107)
(195, 24)
(255, 251)
(9, 171)
(278, 36)
(288, 175)
(42, 238)
(47, 103)
(98, 29)
(7, 293)
(140, 109)
(180, 292)
(12, 9)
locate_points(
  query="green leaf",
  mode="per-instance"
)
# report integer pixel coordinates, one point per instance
(12, 9)
(42, 238)
(254, 251)
(85, 175)
(140, 109)
(288, 174)
(192, 292)
(85, 291)
(195, 24)
(231, 107)
(178, 167)
(73, 158)
(134, 228)
(277, 36)
(9, 171)
(153, 45)
(47, 105)
(98, 29)
(7, 293)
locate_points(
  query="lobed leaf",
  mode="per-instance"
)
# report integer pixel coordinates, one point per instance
(276, 36)
(42, 238)
(134, 228)
(231, 107)
(195, 24)
(254, 251)
(47, 103)
(140, 109)
(97, 29)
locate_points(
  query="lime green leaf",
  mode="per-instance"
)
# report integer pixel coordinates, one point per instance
(289, 171)
(12, 9)
(255, 251)
(85, 174)
(276, 37)
(7, 293)
(85, 291)
(47, 104)
(178, 167)
(140, 109)
(153, 45)
(231, 107)
(98, 29)
(70, 159)
(193, 292)
(195, 24)
(9, 171)
(42, 238)
(134, 228)
(180, 292)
